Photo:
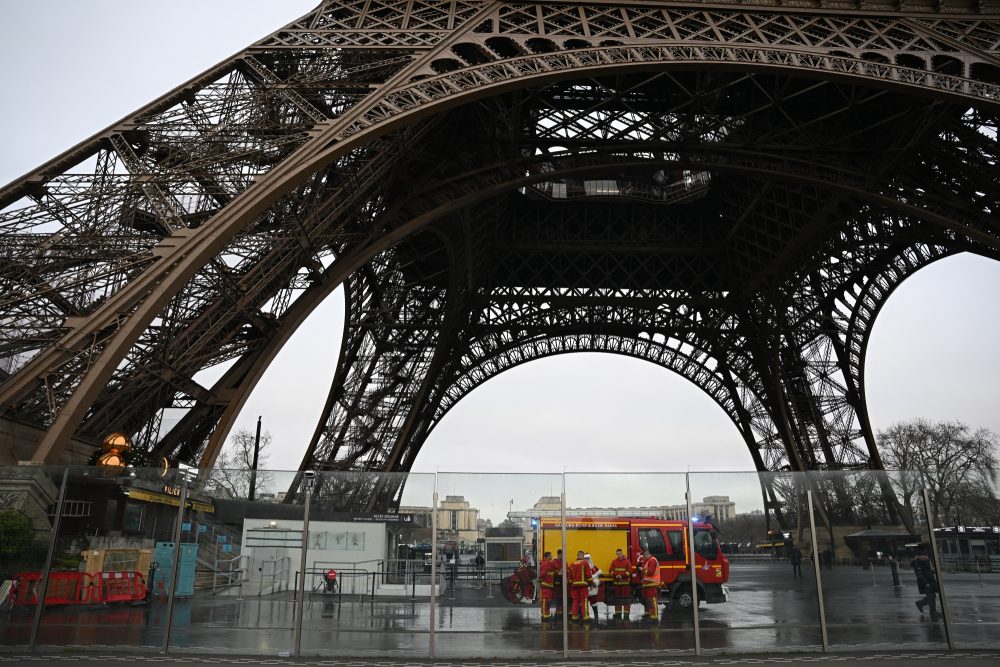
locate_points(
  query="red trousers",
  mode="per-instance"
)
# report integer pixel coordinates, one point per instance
(649, 594)
(581, 602)
(546, 595)
(621, 591)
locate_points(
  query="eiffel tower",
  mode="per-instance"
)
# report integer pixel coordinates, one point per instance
(730, 190)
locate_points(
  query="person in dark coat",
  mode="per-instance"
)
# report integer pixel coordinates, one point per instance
(795, 558)
(926, 584)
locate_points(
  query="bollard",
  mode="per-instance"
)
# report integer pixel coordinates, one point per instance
(874, 585)
(894, 567)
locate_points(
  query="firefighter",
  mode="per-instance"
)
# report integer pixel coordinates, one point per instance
(546, 583)
(557, 567)
(621, 574)
(579, 582)
(637, 580)
(651, 583)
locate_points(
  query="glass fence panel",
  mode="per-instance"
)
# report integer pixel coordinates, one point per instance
(770, 601)
(869, 527)
(608, 512)
(488, 558)
(967, 532)
(103, 589)
(236, 580)
(367, 576)
(28, 496)
(240, 562)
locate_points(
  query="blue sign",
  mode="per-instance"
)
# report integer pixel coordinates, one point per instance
(202, 529)
(220, 538)
(186, 526)
(227, 548)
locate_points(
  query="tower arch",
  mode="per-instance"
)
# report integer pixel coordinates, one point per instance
(727, 170)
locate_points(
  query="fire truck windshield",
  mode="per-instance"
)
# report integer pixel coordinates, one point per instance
(705, 544)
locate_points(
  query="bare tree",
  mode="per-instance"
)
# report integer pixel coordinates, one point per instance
(958, 467)
(233, 468)
(744, 528)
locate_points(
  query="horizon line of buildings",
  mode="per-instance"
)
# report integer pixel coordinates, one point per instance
(460, 522)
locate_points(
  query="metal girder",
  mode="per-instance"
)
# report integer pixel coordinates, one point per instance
(729, 192)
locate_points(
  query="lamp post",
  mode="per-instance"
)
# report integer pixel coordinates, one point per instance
(253, 466)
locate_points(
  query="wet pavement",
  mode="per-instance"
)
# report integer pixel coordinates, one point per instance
(965, 658)
(768, 611)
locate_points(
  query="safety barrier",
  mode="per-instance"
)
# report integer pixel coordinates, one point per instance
(119, 586)
(71, 588)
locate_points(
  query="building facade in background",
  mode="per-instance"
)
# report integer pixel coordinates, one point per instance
(720, 508)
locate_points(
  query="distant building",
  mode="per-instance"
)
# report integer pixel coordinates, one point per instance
(421, 515)
(458, 523)
(719, 507)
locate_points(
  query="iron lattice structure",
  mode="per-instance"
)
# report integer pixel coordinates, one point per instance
(730, 190)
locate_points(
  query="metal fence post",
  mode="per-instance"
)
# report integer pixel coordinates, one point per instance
(938, 570)
(694, 568)
(816, 571)
(47, 570)
(565, 579)
(300, 600)
(176, 566)
(434, 559)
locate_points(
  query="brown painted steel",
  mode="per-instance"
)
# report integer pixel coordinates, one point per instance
(689, 183)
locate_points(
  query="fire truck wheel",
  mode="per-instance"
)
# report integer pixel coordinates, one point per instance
(683, 599)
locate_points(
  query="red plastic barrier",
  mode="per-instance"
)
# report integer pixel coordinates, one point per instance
(119, 586)
(68, 588)
(64, 588)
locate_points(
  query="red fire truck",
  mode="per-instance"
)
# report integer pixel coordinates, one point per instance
(667, 540)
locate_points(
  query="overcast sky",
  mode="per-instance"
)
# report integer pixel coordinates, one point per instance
(69, 69)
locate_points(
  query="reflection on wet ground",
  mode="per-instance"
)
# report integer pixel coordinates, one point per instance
(768, 610)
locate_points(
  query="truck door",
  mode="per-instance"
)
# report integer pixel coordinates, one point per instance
(676, 538)
(652, 538)
(705, 544)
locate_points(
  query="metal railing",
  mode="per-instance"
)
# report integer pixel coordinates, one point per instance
(278, 571)
(228, 573)
(362, 583)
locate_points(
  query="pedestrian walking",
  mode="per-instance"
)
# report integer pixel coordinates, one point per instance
(480, 562)
(795, 558)
(926, 583)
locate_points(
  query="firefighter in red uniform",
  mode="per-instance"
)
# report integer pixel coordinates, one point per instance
(557, 566)
(580, 573)
(546, 583)
(651, 584)
(621, 573)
